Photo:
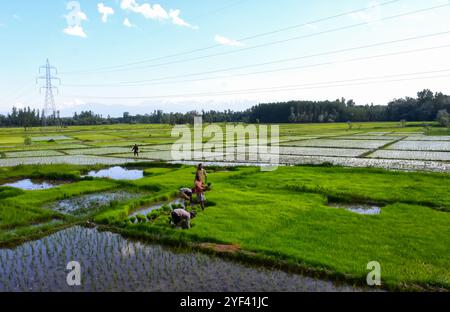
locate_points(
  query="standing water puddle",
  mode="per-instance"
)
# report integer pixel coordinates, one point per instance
(118, 173)
(111, 263)
(84, 203)
(358, 208)
(32, 185)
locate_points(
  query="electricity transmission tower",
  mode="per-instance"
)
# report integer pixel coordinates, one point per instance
(49, 106)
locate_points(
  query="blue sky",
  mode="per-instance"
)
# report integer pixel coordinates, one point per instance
(113, 33)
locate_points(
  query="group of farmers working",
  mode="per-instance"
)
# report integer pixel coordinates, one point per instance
(181, 217)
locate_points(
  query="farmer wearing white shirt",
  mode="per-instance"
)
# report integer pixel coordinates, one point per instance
(182, 218)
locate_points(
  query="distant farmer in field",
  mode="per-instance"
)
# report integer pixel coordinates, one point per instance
(182, 218)
(186, 194)
(199, 189)
(135, 150)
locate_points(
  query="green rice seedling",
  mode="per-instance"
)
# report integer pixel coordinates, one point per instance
(141, 219)
(6, 191)
(133, 219)
(153, 215)
(166, 208)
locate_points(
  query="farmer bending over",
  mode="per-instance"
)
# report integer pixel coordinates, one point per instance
(186, 194)
(182, 218)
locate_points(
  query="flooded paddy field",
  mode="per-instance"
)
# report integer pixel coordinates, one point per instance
(74, 160)
(301, 230)
(393, 149)
(110, 262)
(118, 173)
(388, 164)
(32, 185)
(85, 203)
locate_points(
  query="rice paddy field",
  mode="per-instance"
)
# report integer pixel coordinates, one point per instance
(380, 145)
(340, 199)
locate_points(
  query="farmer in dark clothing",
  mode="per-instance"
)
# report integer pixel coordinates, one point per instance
(135, 150)
(182, 218)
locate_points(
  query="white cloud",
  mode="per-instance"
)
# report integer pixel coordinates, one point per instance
(155, 12)
(177, 20)
(77, 30)
(227, 41)
(82, 16)
(147, 10)
(105, 11)
(127, 23)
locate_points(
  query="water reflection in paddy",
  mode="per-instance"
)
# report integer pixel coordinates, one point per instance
(31, 185)
(118, 173)
(358, 208)
(111, 263)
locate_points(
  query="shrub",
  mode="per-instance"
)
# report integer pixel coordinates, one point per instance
(443, 118)
(403, 123)
(27, 141)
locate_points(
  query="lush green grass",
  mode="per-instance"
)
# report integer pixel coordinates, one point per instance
(438, 131)
(267, 213)
(410, 242)
(22, 208)
(280, 215)
(11, 140)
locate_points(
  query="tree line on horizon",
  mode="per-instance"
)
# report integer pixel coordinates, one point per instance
(427, 106)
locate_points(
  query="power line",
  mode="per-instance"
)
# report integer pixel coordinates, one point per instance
(327, 84)
(219, 10)
(20, 92)
(241, 39)
(139, 82)
(273, 42)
